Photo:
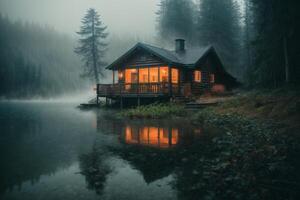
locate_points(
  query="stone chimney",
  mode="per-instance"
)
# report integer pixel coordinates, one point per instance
(179, 45)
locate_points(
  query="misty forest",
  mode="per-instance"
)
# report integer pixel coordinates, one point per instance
(142, 99)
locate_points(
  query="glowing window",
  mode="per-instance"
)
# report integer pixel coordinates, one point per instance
(212, 78)
(197, 76)
(174, 138)
(143, 75)
(143, 132)
(174, 75)
(153, 74)
(131, 135)
(153, 135)
(130, 76)
(164, 74)
(120, 74)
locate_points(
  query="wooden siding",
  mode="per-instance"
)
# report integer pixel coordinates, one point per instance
(186, 85)
(142, 58)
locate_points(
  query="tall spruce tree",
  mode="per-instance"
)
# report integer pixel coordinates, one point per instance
(176, 20)
(275, 45)
(218, 24)
(92, 46)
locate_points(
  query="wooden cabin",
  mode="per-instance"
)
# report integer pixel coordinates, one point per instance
(146, 71)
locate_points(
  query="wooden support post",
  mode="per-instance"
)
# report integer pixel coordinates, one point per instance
(170, 80)
(160, 88)
(138, 80)
(139, 101)
(158, 74)
(179, 81)
(113, 77)
(149, 89)
(121, 102)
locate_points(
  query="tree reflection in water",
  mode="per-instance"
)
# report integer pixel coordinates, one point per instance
(94, 168)
(203, 164)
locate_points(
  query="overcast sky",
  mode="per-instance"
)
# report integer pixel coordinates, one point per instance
(126, 16)
(136, 17)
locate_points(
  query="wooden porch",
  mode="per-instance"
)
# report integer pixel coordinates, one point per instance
(139, 90)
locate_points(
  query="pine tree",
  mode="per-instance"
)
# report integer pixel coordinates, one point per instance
(275, 45)
(218, 25)
(92, 46)
(176, 20)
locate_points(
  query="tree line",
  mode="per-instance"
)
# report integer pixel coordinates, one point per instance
(36, 61)
(257, 40)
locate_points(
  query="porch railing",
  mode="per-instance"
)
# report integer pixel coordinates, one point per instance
(134, 88)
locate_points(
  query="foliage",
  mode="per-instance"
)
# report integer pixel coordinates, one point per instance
(154, 111)
(274, 34)
(176, 20)
(36, 61)
(92, 46)
(218, 24)
(94, 169)
(250, 159)
(250, 156)
(215, 23)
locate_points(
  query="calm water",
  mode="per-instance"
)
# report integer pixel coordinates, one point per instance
(56, 151)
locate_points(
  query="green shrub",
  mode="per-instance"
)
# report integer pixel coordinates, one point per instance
(154, 111)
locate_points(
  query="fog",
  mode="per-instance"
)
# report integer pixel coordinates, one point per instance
(131, 16)
(38, 39)
(127, 21)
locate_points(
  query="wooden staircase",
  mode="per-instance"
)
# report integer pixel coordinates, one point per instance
(196, 105)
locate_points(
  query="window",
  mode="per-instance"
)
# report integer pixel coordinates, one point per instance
(197, 76)
(130, 76)
(174, 75)
(143, 75)
(164, 74)
(212, 78)
(120, 74)
(153, 74)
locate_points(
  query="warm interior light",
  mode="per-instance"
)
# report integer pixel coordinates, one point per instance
(164, 75)
(143, 75)
(212, 78)
(151, 136)
(131, 76)
(175, 75)
(153, 74)
(120, 74)
(197, 76)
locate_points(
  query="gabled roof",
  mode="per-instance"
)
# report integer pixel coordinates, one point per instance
(190, 57)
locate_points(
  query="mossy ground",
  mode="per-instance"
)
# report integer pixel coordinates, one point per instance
(154, 111)
(257, 152)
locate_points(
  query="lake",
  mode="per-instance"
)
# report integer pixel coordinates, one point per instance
(53, 150)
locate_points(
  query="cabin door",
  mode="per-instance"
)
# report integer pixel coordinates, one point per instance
(134, 77)
(133, 80)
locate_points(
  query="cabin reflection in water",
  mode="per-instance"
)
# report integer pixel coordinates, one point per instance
(151, 136)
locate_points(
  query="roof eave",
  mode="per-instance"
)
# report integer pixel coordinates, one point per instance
(138, 45)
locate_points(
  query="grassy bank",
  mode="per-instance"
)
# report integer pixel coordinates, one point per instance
(260, 147)
(154, 111)
(256, 156)
(282, 106)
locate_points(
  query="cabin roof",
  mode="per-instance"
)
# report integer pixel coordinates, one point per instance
(189, 57)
